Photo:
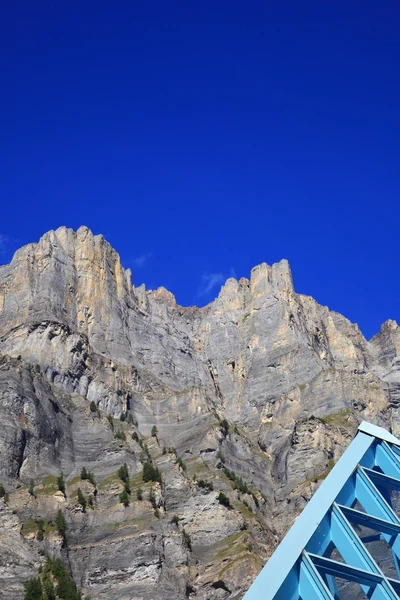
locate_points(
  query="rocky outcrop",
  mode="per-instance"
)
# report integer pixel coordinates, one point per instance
(254, 397)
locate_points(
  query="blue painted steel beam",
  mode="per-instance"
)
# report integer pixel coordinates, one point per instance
(371, 538)
(373, 584)
(275, 572)
(359, 518)
(311, 584)
(301, 567)
(349, 544)
(395, 584)
(378, 432)
(345, 571)
(382, 479)
(371, 499)
(359, 555)
(374, 503)
(387, 460)
(395, 450)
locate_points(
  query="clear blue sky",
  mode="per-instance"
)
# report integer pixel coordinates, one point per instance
(202, 138)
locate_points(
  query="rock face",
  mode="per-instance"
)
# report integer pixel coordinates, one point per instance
(254, 396)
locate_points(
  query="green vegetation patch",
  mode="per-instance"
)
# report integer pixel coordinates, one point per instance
(50, 480)
(49, 527)
(111, 479)
(74, 481)
(136, 481)
(244, 508)
(136, 523)
(28, 527)
(247, 556)
(231, 546)
(48, 487)
(32, 526)
(337, 419)
(197, 466)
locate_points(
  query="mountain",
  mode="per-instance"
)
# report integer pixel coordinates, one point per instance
(236, 411)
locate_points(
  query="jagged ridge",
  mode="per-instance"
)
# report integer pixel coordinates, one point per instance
(291, 378)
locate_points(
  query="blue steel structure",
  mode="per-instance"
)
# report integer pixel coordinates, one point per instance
(325, 548)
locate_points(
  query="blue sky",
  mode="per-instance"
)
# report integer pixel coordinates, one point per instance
(202, 138)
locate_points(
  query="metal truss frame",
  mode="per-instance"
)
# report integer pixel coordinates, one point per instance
(356, 493)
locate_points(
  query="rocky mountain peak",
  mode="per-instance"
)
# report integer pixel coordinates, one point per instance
(390, 324)
(164, 295)
(278, 275)
(253, 398)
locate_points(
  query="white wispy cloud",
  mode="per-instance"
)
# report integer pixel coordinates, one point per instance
(209, 281)
(139, 261)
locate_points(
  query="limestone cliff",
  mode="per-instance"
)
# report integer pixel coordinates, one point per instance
(255, 395)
